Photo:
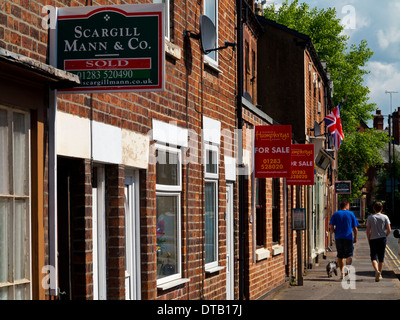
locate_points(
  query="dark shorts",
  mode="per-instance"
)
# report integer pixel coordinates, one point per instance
(377, 249)
(344, 248)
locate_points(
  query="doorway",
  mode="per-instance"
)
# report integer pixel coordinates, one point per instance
(99, 234)
(132, 239)
(230, 250)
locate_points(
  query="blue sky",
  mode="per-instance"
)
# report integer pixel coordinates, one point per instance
(378, 22)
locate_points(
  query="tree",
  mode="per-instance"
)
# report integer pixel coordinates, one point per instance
(360, 149)
(384, 185)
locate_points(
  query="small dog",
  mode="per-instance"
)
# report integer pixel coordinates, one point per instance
(331, 268)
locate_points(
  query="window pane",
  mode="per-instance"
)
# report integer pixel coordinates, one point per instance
(21, 292)
(4, 173)
(167, 168)
(210, 10)
(20, 240)
(211, 219)
(211, 161)
(19, 152)
(4, 217)
(167, 236)
(4, 293)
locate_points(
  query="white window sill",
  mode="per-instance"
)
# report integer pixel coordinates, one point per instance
(262, 254)
(172, 50)
(171, 284)
(214, 269)
(277, 249)
(212, 66)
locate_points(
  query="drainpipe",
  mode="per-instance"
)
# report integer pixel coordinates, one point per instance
(239, 57)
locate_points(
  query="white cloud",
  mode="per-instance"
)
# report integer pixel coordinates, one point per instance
(384, 77)
(388, 37)
(388, 25)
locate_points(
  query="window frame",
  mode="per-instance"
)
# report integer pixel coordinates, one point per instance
(165, 187)
(172, 191)
(11, 197)
(213, 148)
(167, 18)
(213, 264)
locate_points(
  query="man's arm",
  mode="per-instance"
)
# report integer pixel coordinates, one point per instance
(388, 230)
(368, 232)
(355, 231)
(332, 228)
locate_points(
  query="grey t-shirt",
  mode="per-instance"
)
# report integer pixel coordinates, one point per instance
(378, 223)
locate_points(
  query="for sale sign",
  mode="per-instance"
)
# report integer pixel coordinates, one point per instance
(302, 165)
(112, 48)
(272, 151)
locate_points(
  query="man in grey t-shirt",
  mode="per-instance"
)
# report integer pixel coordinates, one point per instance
(378, 228)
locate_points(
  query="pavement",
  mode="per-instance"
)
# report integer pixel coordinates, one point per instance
(359, 285)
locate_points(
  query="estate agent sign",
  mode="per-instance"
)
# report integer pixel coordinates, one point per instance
(112, 48)
(343, 187)
(272, 151)
(302, 168)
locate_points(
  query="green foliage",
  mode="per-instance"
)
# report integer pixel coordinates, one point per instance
(359, 150)
(383, 174)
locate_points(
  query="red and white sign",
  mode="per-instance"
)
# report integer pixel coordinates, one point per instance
(108, 64)
(302, 169)
(272, 151)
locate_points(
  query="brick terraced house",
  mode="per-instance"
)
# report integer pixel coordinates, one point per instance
(137, 195)
(300, 93)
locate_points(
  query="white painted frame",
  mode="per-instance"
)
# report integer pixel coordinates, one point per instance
(178, 187)
(230, 244)
(132, 241)
(207, 58)
(99, 237)
(215, 150)
(214, 264)
(167, 17)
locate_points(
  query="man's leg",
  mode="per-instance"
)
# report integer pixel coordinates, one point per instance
(341, 265)
(375, 265)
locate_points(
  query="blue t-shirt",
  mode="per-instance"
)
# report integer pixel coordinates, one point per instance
(344, 222)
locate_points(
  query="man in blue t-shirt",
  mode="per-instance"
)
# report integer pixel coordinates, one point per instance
(344, 224)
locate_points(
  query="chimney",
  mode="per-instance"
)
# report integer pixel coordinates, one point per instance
(396, 125)
(378, 120)
(258, 8)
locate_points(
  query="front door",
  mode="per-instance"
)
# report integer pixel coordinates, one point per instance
(132, 245)
(99, 235)
(230, 271)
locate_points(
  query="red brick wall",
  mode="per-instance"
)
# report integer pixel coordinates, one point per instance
(313, 95)
(264, 275)
(192, 90)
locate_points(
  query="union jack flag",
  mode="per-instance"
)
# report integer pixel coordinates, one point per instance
(334, 125)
